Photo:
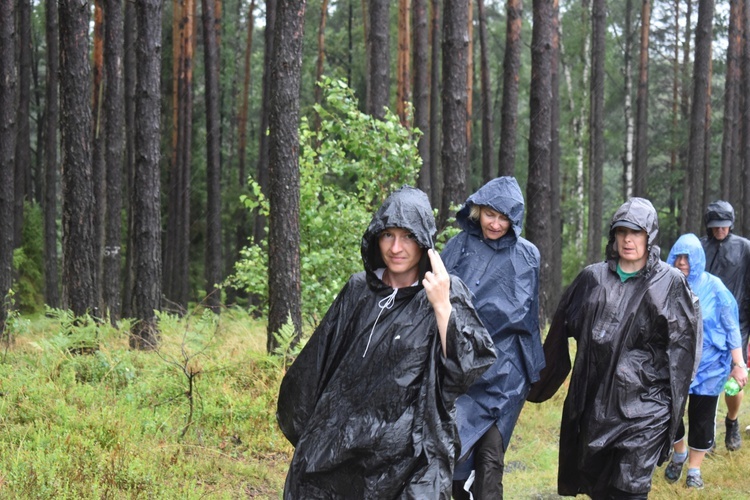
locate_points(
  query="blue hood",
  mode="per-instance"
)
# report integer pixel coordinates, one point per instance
(503, 195)
(690, 245)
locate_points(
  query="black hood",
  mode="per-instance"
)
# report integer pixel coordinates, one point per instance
(639, 212)
(718, 210)
(407, 208)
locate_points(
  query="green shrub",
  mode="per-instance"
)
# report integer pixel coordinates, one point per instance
(28, 262)
(346, 171)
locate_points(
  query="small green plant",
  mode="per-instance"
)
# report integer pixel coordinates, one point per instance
(288, 343)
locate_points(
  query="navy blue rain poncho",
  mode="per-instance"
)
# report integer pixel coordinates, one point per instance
(369, 402)
(729, 259)
(503, 276)
(636, 351)
(721, 329)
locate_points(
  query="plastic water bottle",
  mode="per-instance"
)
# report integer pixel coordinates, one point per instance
(732, 387)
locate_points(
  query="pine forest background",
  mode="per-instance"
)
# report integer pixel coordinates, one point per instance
(158, 155)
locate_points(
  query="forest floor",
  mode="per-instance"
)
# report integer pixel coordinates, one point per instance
(196, 419)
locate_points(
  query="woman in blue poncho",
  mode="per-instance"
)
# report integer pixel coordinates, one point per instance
(502, 271)
(721, 356)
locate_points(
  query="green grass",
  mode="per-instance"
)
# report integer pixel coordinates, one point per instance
(116, 423)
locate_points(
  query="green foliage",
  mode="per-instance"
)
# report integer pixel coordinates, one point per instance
(28, 261)
(346, 170)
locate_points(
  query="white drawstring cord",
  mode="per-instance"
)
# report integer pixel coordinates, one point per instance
(383, 304)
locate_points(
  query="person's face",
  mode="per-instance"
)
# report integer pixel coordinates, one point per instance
(400, 251)
(720, 232)
(631, 246)
(683, 264)
(494, 224)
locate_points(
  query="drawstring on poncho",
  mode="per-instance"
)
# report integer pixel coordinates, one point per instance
(383, 304)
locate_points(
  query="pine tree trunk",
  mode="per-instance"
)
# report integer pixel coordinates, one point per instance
(540, 110)
(213, 160)
(8, 89)
(146, 182)
(745, 140)
(114, 102)
(693, 193)
(420, 46)
(730, 159)
(129, 63)
(52, 115)
(403, 78)
(455, 150)
(284, 294)
(97, 157)
(487, 136)
(511, 68)
(380, 65)
(640, 166)
(627, 156)
(321, 60)
(596, 128)
(435, 93)
(556, 249)
(23, 140)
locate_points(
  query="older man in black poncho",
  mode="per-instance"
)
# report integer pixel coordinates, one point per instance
(637, 327)
(369, 402)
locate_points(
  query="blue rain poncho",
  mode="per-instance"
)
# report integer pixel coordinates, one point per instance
(369, 402)
(721, 330)
(636, 349)
(503, 276)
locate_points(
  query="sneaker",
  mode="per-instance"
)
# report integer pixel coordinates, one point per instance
(673, 471)
(733, 440)
(694, 481)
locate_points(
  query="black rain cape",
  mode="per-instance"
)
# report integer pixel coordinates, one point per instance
(729, 259)
(378, 421)
(636, 351)
(503, 276)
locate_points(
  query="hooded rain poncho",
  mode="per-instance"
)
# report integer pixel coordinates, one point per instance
(369, 402)
(503, 276)
(636, 351)
(721, 330)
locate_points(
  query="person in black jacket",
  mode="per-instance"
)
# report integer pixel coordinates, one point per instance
(728, 257)
(637, 329)
(369, 402)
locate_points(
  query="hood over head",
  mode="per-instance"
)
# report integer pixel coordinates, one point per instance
(634, 213)
(502, 194)
(690, 245)
(407, 208)
(719, 213)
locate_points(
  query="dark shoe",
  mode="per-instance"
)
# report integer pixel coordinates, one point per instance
(733, 440)
(694, 481)
(673, 471)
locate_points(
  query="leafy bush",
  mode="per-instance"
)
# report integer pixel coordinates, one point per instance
(346, 170)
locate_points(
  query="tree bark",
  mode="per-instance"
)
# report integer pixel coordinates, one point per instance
(554, 283)
(420, 45)
(596, 128)
(403, 78)
(98, 169)
(318, 91)
(730, 189)
(213, 160)
(640, 166)
(8, 89)
(22, 178)
(435, 93)
(693, 194)
(487, 136)
(454, 152)
(130, 69)
(146, 183)
(627, 157)
(52, 115)
(114, 101)
(540, 110)
(284, 292)
(79, 293)
(379, 76)
(745, 140)
(511, 68)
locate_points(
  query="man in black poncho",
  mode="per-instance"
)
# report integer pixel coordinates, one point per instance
(728, 257)
(637, 326)
(369, 402)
